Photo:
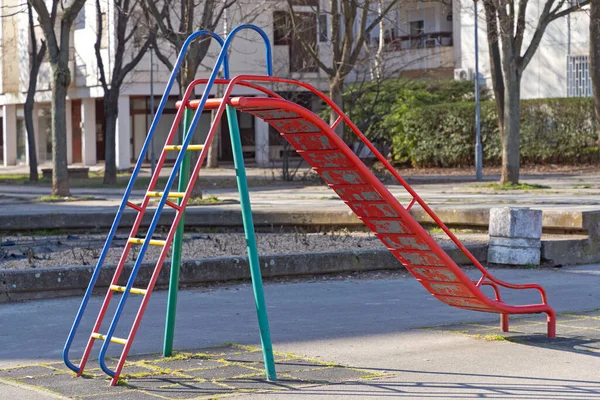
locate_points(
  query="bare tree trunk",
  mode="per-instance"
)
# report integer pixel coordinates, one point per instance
(595, 58)
(187, 77)
(381, 46)
(60, 175)
(336, 92)
(28, 111)
(111, 113)
(512, 126)
(58, 49)
(212, 160)
(493, 39)
(35, 61)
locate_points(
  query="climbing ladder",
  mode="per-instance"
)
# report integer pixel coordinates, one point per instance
(317, 142)
(166, 196)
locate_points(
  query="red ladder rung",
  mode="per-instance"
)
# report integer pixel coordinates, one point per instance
(134, 206)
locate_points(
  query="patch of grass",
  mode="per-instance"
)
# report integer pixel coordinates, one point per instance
(583, 186)
(59, 199)
(143, 374)
(435, 229)
(531, 266)
(494, 337)
(194, 201)
(178, 356)
(511, 186)
(21, 179)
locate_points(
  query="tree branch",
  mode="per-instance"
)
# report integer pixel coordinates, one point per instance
(97, 47)
(313, 54)
(519, 35)
(569, 10)
(382, 15)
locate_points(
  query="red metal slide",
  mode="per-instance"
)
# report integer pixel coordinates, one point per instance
(316, 141)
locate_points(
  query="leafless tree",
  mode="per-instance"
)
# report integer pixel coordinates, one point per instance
(507, 27)
(174, 21)
(346, 41)
(127, 31)
(58, 38)
(36, 58)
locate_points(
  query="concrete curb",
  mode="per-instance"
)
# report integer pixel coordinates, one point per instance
(229, 216)
(21, 285)
(195, 217)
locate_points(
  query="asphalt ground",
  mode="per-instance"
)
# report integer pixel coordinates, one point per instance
(361, 338)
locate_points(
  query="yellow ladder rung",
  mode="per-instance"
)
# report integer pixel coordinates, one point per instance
(178, 195)
(121, 289)
(173, 147)
(113, 339)
(152, 241)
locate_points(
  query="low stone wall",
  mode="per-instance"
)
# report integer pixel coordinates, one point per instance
(16, 285)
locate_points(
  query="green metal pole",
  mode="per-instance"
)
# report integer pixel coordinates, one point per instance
(184, 177)
(259, 296)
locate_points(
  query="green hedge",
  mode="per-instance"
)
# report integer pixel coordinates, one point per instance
(557, 131)
(368, 104)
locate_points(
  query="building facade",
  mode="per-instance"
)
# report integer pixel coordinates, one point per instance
(420, 39)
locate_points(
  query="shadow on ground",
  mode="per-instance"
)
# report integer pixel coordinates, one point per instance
(575, 332)
(206, 373)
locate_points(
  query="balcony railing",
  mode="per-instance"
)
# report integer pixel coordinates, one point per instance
(421, 41)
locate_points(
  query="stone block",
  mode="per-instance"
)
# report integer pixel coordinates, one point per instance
(515, 223)
(515, 236)
(514, 255)
(515, 242)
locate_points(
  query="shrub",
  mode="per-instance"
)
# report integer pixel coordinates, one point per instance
(443, 135)
(369, 104)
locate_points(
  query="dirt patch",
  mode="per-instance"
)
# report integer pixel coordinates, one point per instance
(25, 252)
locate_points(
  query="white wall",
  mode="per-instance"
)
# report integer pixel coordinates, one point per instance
(545, 76)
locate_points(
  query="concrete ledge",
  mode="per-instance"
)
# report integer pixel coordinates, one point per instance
(18, 285)
(195, 217)
(73, 172)
(227, 216)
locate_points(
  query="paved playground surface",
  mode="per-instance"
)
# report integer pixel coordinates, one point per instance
(564, 190)
(364, 338)
(375, 337)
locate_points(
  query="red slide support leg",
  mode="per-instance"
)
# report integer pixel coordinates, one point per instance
(551, 323)
(504, 322)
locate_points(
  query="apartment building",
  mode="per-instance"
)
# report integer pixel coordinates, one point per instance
(421, 39)
(559, 68)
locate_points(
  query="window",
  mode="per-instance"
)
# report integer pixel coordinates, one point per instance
(579, 82)
(417, 28)
(80, 19)
(323, 28)
(282, 28)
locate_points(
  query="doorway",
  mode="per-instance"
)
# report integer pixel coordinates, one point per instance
(76, 130)
(100, 131)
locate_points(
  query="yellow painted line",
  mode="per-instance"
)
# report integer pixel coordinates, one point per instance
(173, 147)
(113, 339)
(152, 241)
(178, 195)
(121, 289)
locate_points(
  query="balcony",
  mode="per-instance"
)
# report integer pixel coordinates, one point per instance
(412, 42)
(427, 51)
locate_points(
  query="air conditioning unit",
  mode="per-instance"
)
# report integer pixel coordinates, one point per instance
(463, 74)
